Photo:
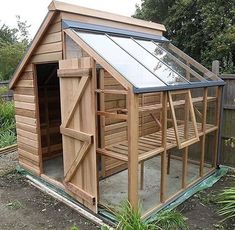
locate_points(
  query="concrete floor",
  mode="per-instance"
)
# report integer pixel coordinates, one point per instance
(54, 168)
(114, 189)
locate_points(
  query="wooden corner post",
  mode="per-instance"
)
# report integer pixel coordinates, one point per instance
(133, 135)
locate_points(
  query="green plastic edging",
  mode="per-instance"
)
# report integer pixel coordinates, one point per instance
(204, 184)
(108, 216)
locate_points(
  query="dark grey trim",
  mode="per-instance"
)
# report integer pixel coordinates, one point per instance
(177, 87)
(111, 30)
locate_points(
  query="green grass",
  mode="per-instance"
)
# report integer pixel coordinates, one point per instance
(130, 219)
(7, 138)
(172, 220)
(226, 200)
(7, 123)
(14, 205)
(206, 198)
(74, 228)
(6, 112)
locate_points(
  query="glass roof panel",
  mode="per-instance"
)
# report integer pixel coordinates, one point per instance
(207, 74)
(155, 64)
(171, 61)
(126, 65)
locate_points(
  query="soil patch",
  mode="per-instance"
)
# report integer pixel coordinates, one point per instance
(201, 209)
(8, 162)
(22, 206)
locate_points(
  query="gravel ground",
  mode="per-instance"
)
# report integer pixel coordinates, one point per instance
(8, 162)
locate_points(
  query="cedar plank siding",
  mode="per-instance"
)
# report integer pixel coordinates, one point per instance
(25, 97)
(116, 130)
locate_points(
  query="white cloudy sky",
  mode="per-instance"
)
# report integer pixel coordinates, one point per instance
(35, 10)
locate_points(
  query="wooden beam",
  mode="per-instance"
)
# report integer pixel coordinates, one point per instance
(133, 136)
(80, 90)
(74, 72)
(204, 115)
(80, 192)
(112, 115)
(81, 136)
(79, 157)
(164, 153)
(111, 91)
(108, 153)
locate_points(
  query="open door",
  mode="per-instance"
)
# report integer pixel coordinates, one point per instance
(78, 129)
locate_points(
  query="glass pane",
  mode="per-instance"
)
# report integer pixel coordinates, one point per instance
(73, 50)
(174, 174)
(208, 75)
(132, 70)
(151, 62)
(113, 190)
(149, 183)
(182, 114)
(194, 158)
(160, 51)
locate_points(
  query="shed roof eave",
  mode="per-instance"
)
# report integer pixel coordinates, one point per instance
(70, 8)
(42, 29)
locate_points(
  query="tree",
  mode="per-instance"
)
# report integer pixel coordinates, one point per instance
(153, 10)
(203, 29)
(13, 43)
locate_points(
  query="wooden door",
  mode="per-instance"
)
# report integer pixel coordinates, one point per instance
(78, 129)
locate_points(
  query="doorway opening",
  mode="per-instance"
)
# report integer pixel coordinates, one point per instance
(50, 120)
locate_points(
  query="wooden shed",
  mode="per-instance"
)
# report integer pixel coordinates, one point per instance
(108, 109)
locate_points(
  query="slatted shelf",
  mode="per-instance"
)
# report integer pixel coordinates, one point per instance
(150, 145)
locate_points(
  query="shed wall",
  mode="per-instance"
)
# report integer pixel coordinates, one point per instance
(25, 96)
(50, 48)
(27, 121)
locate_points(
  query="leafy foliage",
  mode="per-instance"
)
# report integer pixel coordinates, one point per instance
(74, 228)
(230, 142)
(7, 122)
(227, 201)
(130, 219)
(203, 29)
(13, 43)
(172, 220)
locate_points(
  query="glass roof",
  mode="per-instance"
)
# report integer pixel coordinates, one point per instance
(147, 65)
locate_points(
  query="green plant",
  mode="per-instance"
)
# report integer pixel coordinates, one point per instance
(7, 124)
(3, 90)
(74, 228)
(6, 112)
(206, 198)
(171, 220)
(227, 201)
(7, 138)
(230, 142)
(15, 205)
(130, 219)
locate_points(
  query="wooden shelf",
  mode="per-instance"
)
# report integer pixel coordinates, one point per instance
(150, 145)
(175, 103)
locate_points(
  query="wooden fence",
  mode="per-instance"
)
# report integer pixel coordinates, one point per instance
(228, 125)
(9, 94)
